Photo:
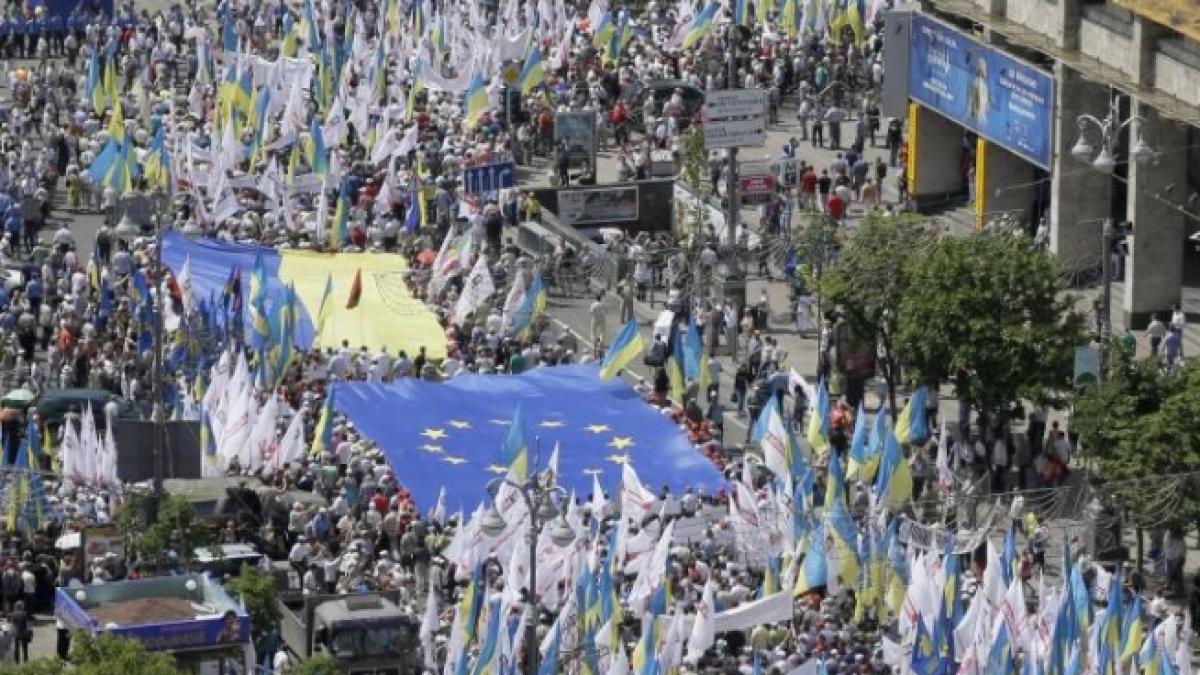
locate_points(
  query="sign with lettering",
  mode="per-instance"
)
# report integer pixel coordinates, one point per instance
(1008, 102)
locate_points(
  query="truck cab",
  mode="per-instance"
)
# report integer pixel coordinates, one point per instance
(368, 634)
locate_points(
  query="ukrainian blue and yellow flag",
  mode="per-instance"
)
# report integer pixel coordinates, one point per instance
(602, 34)
(533, 73)
(532, 306)
(770, 585)
(856, 17)
(894, 484)
(477, 100)
(260, 325)
(94, 87)
(818, 422)
(323, 433)
(339, 234)
(515, 453)
(318, 156)
(626, 346)
(910, 425)
(157, 163)
(1133, 629)
(814, 572)
(414, 89)
(701, 24)
(741, 12)
(674, 367)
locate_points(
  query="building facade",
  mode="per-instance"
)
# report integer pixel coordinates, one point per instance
(998, 94)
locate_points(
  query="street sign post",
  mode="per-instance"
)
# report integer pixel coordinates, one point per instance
(728, 103)
(481, 180)
(735, 118)
(735, 133)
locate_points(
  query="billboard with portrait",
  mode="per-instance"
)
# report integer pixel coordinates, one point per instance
(1007, 102)
(598, 205)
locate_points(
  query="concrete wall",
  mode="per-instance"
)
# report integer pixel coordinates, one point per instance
(1006, 184)
(1177, 79)
(1107, 47)
(1154, 275)
(937, 157)
(1041, 16)
(997, 7)
(1080, 198)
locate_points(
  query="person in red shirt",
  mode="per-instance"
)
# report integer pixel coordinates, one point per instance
(618, 117)
(835, 207)
(808, 187)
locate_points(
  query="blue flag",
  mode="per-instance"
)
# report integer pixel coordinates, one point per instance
(447, 434)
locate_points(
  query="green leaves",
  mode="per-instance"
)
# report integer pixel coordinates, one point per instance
(1142, 422)
(257, 590)
(989, 313)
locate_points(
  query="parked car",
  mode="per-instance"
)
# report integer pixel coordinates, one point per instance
(661, 90)
(54, 405)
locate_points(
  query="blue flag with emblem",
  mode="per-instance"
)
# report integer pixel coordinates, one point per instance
(447, 434)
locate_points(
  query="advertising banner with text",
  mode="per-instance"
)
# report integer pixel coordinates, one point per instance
(1008, 102)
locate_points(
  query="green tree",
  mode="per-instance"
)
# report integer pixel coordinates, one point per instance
(990, 314)
(101, 655)
(871, 279)
(257, 589)
(317, 664)
(177, 529)
(1141, 421)
(695, 160)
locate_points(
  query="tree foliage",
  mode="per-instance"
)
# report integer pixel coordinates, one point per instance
(257, 589)
(990, 314)
(1141, 421)
(871, 279)
(177, 529)
(695, 160)
(101, 655)
(317, 664)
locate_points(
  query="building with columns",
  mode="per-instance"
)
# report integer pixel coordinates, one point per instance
(996, 91)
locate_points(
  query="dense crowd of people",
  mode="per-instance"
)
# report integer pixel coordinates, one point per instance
(343, 127)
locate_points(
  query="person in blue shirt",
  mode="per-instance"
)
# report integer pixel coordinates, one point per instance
(12, 225)
(17, 41)
(35, 292)
(5, 35)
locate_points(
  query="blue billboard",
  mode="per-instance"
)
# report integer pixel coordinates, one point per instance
(1005, 101)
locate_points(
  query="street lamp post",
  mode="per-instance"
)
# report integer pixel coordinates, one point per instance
(1105, 160)
(546, 504)
(1110, 129)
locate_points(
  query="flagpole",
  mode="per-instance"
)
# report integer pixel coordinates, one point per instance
(158, 414)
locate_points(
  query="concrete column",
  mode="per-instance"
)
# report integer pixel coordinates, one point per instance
(1070, 23)
(934, 154)
(1004, 183)
(1080, 198)
(1145, 43)
(1154, 267)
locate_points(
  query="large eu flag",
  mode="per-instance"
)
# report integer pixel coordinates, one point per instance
(451, 434)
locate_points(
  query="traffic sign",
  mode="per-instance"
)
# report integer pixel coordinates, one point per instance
(479, 180)
(727, 103)
(735, 133)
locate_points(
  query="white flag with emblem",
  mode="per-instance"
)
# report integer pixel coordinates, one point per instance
(477, 288)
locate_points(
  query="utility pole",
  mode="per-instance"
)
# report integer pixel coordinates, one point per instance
(731, 185)
(1107, 234)
(158, 415)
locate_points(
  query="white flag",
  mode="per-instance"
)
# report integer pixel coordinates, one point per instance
(636, 500)
(704, 633)
(477, 288)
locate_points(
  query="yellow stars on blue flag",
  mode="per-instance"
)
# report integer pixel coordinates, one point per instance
(434, 434)
(618, 459)
(597, 428)
(552, 424)
(621, 442)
